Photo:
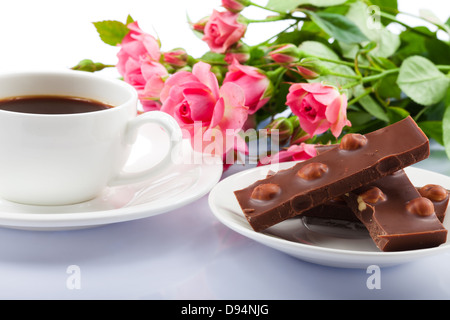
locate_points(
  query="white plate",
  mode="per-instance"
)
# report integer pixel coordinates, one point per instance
(191, 177)
(344, 245)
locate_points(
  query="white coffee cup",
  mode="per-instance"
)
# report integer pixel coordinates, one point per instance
(61, 159)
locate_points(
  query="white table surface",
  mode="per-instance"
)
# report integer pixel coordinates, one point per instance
(186, 253)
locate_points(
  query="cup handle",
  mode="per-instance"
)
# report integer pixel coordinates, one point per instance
(173, 130)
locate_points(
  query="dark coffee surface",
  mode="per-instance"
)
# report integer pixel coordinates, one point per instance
(51, 105)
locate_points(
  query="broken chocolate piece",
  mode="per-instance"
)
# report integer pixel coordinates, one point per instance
(386, 150)
(400, 220)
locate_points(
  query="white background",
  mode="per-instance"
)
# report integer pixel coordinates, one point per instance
(187, 253)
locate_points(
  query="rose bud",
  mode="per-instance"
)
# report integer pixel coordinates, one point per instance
(299, 136)
(283, 126)
(285, 53)
(177, 58)
(89, 66)
(200, 25)
(235, 6)
(311, 68)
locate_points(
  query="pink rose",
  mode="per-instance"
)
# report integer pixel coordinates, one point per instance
(150, 105)
(299, 152)
(207, 113)
(319, 107)
(257, 87)
(223, 30)
(138, 64)
(137, 45)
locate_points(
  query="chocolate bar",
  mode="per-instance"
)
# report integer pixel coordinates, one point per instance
(359, 160)
(337, 209)
(397, 217)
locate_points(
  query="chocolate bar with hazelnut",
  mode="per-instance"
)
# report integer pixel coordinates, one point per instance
(359, 160)
(397, 217)
(337, 209)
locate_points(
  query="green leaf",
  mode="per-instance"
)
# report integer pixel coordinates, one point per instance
(129, 20)
(422, 81)
(111, 32)
(433, 129)
(446, 125)
(359, 118)
(388, 88)
(321, 3)
(387, 42)
(288, 5)
(213, 58)
(429, 47)
(298, 36)
(318, 49)
(337, 26)
(396, 114)
(370, 105)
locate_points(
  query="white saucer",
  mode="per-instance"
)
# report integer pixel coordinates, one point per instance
(344, 245)
(190, 178)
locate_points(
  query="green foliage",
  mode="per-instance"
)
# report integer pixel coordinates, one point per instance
(422, 81)
(288, 5)
(111, 32)
(337, 26)
(386, 76)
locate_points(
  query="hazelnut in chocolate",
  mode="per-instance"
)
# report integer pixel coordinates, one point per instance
(439, 196)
